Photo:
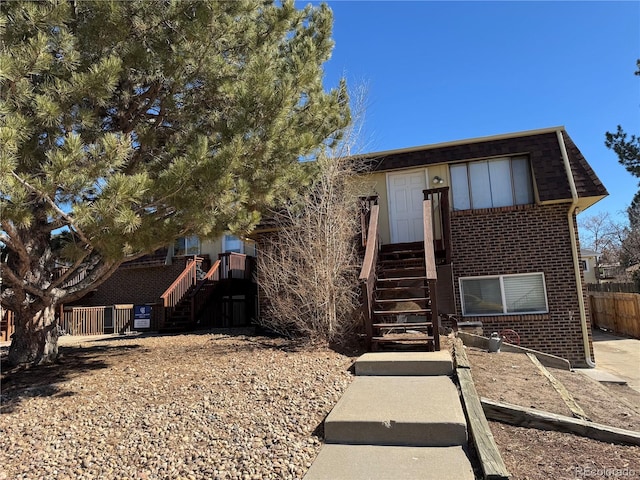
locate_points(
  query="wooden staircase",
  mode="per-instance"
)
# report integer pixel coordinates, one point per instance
(402, 299)
(183, 316)
(197, 299)
(398, 284)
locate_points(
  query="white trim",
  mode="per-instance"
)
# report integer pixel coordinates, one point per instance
(502, 295)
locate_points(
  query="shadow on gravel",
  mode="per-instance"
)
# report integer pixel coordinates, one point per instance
(44, 380)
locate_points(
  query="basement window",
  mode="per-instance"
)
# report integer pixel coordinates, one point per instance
(500, 182)
(504, 295)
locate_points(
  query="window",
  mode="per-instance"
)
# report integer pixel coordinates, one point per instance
(500, 182)
(504, 294)
(585, 265)
(187, 246)
(232, 243)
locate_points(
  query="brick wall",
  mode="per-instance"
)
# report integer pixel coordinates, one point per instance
(135, 285)
(524, 239)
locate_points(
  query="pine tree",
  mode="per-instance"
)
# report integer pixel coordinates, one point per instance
(627, 149)
(124, 125)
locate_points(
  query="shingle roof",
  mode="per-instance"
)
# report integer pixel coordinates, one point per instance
(541, 146)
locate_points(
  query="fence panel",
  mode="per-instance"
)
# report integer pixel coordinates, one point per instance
(83, 320)
(612, 287)
(618, 312)
(7, 325)
(122, 318)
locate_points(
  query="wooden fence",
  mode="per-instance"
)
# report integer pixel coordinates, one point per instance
(612, 287)
(7, 325)
(618, 312)
(104, 319)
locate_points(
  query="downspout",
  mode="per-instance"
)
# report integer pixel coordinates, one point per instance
(574, 250)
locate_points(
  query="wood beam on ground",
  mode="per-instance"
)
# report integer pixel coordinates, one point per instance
(493, 466)
(568, 399)
(530, 417)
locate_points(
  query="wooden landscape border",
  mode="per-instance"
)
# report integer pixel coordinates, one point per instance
(530, 417)
(493, 467)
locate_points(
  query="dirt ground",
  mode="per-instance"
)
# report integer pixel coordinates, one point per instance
(532, 454)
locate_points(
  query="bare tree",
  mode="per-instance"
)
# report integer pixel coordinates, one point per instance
(309, 266)
(602, 235)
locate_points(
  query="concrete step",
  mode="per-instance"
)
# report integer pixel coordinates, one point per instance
(368, 462)
(398, 410)
(405, 363)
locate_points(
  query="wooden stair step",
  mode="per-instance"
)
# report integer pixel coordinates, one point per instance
(403, 325)
(400, 268)
(404, 245)
(399, 338)
(402, 312)
(390, 289)
(399, 279)
(400, 300)
(393, 261)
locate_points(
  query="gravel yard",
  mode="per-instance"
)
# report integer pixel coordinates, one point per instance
(198, 406)
(237, 406)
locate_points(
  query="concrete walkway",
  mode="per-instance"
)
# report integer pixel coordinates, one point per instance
(401, 418)
(617, 359)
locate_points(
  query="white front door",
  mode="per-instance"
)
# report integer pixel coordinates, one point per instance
(405, 205)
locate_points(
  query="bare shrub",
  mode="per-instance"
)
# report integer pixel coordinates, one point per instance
(309, 266)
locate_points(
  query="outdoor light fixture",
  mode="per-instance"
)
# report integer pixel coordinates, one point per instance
(437, 180)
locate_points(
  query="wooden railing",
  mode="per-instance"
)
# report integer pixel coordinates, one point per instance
(235, 265)
(7, 325)
(368, 272)
(430, 269)
(441, 218)
(366, 204)
(71, 281)
(83, 321)
(181, 285)
(201, 294)
(101, 319)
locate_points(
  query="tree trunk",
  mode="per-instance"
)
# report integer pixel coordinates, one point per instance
(35, 340)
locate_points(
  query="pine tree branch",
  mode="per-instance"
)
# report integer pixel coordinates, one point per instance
(57, 209)
(14, 280)
(14, 242)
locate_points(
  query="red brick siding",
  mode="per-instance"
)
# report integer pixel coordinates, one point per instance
(135, 285)
(524, 239)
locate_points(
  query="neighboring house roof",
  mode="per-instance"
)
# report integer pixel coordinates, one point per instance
(541, 146)
(633, 268)
(585, 252)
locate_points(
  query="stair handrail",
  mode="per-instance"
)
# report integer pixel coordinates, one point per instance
(172, 295)
(440, 201)
(365, 215)
(367, 276)
(430, 270)
(197, 297)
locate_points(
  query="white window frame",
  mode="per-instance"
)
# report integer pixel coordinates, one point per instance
(467, 195)
(503, 295)
(585, 265)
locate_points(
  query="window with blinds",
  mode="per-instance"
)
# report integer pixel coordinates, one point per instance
(504, 294)
(500, 182)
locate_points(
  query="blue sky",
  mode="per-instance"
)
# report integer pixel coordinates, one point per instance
(442, 71)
